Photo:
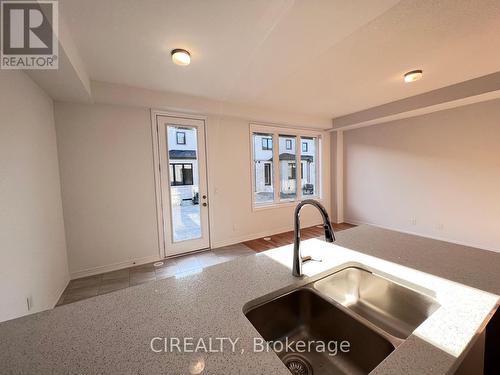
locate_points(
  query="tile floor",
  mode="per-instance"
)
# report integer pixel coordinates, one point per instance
(109, 282)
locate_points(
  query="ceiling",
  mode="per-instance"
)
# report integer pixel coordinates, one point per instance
(323, 57)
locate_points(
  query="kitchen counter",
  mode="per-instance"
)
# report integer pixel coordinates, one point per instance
(112, 333)
(466, 265)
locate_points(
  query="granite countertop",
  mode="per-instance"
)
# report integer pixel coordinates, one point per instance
(466, 265)
(111, 334)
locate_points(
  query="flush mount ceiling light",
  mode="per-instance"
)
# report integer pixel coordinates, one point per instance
(414, 75)
(181, 57)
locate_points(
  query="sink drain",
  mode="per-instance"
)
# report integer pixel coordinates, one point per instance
(297, 365)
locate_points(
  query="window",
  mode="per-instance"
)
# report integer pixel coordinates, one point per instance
(263, 192)
(287, 160)
(180, 138)
(267, 143)
(181, 174)
(309, 167)
(280, 167)
(267, 174)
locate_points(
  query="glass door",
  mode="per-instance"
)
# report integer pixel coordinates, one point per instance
(183, 184)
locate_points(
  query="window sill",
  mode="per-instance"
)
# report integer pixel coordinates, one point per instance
(284, 204)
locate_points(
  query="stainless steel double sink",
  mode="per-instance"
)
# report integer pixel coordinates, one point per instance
(371, 312)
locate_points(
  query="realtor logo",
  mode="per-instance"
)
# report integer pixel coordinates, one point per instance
(29, 34)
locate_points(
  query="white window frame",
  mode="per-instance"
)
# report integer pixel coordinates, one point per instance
(276, 131)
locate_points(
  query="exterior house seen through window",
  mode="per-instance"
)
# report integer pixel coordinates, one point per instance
(295, 147)
(287, 160)
(184, 178)
(181, 174)
(183, 164)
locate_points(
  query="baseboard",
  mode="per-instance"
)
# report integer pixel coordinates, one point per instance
(214, 245)
(113, 267)
(444, 239)
(58, 293)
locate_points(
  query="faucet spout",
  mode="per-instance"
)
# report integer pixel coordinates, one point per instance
(298, 260)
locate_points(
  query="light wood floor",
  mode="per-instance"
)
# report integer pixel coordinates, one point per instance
(286, 238)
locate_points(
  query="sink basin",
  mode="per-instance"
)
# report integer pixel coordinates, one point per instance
(394, 308)
(303, 315)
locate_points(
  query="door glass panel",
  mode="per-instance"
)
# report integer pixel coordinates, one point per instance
(184, 182)
(263, 168)
(288, 167)
(309, 166)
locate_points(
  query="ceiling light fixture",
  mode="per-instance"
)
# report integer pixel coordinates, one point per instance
(414, 75)
(181, 57)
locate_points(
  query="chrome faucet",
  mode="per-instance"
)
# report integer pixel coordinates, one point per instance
(298, 260)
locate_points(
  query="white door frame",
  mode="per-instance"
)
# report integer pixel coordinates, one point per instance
(161, 219)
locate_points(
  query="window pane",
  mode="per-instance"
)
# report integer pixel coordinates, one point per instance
(263, 168)
(267, 143)
(181, 138)
(288, 175)
(184, 180)
(181, 174)
(309, 166)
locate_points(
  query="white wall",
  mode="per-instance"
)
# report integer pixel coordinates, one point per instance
(106, 163)
(108, 185)
(437, 175)
(32, 243)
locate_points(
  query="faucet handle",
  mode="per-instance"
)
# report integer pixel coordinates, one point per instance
(308, 258)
